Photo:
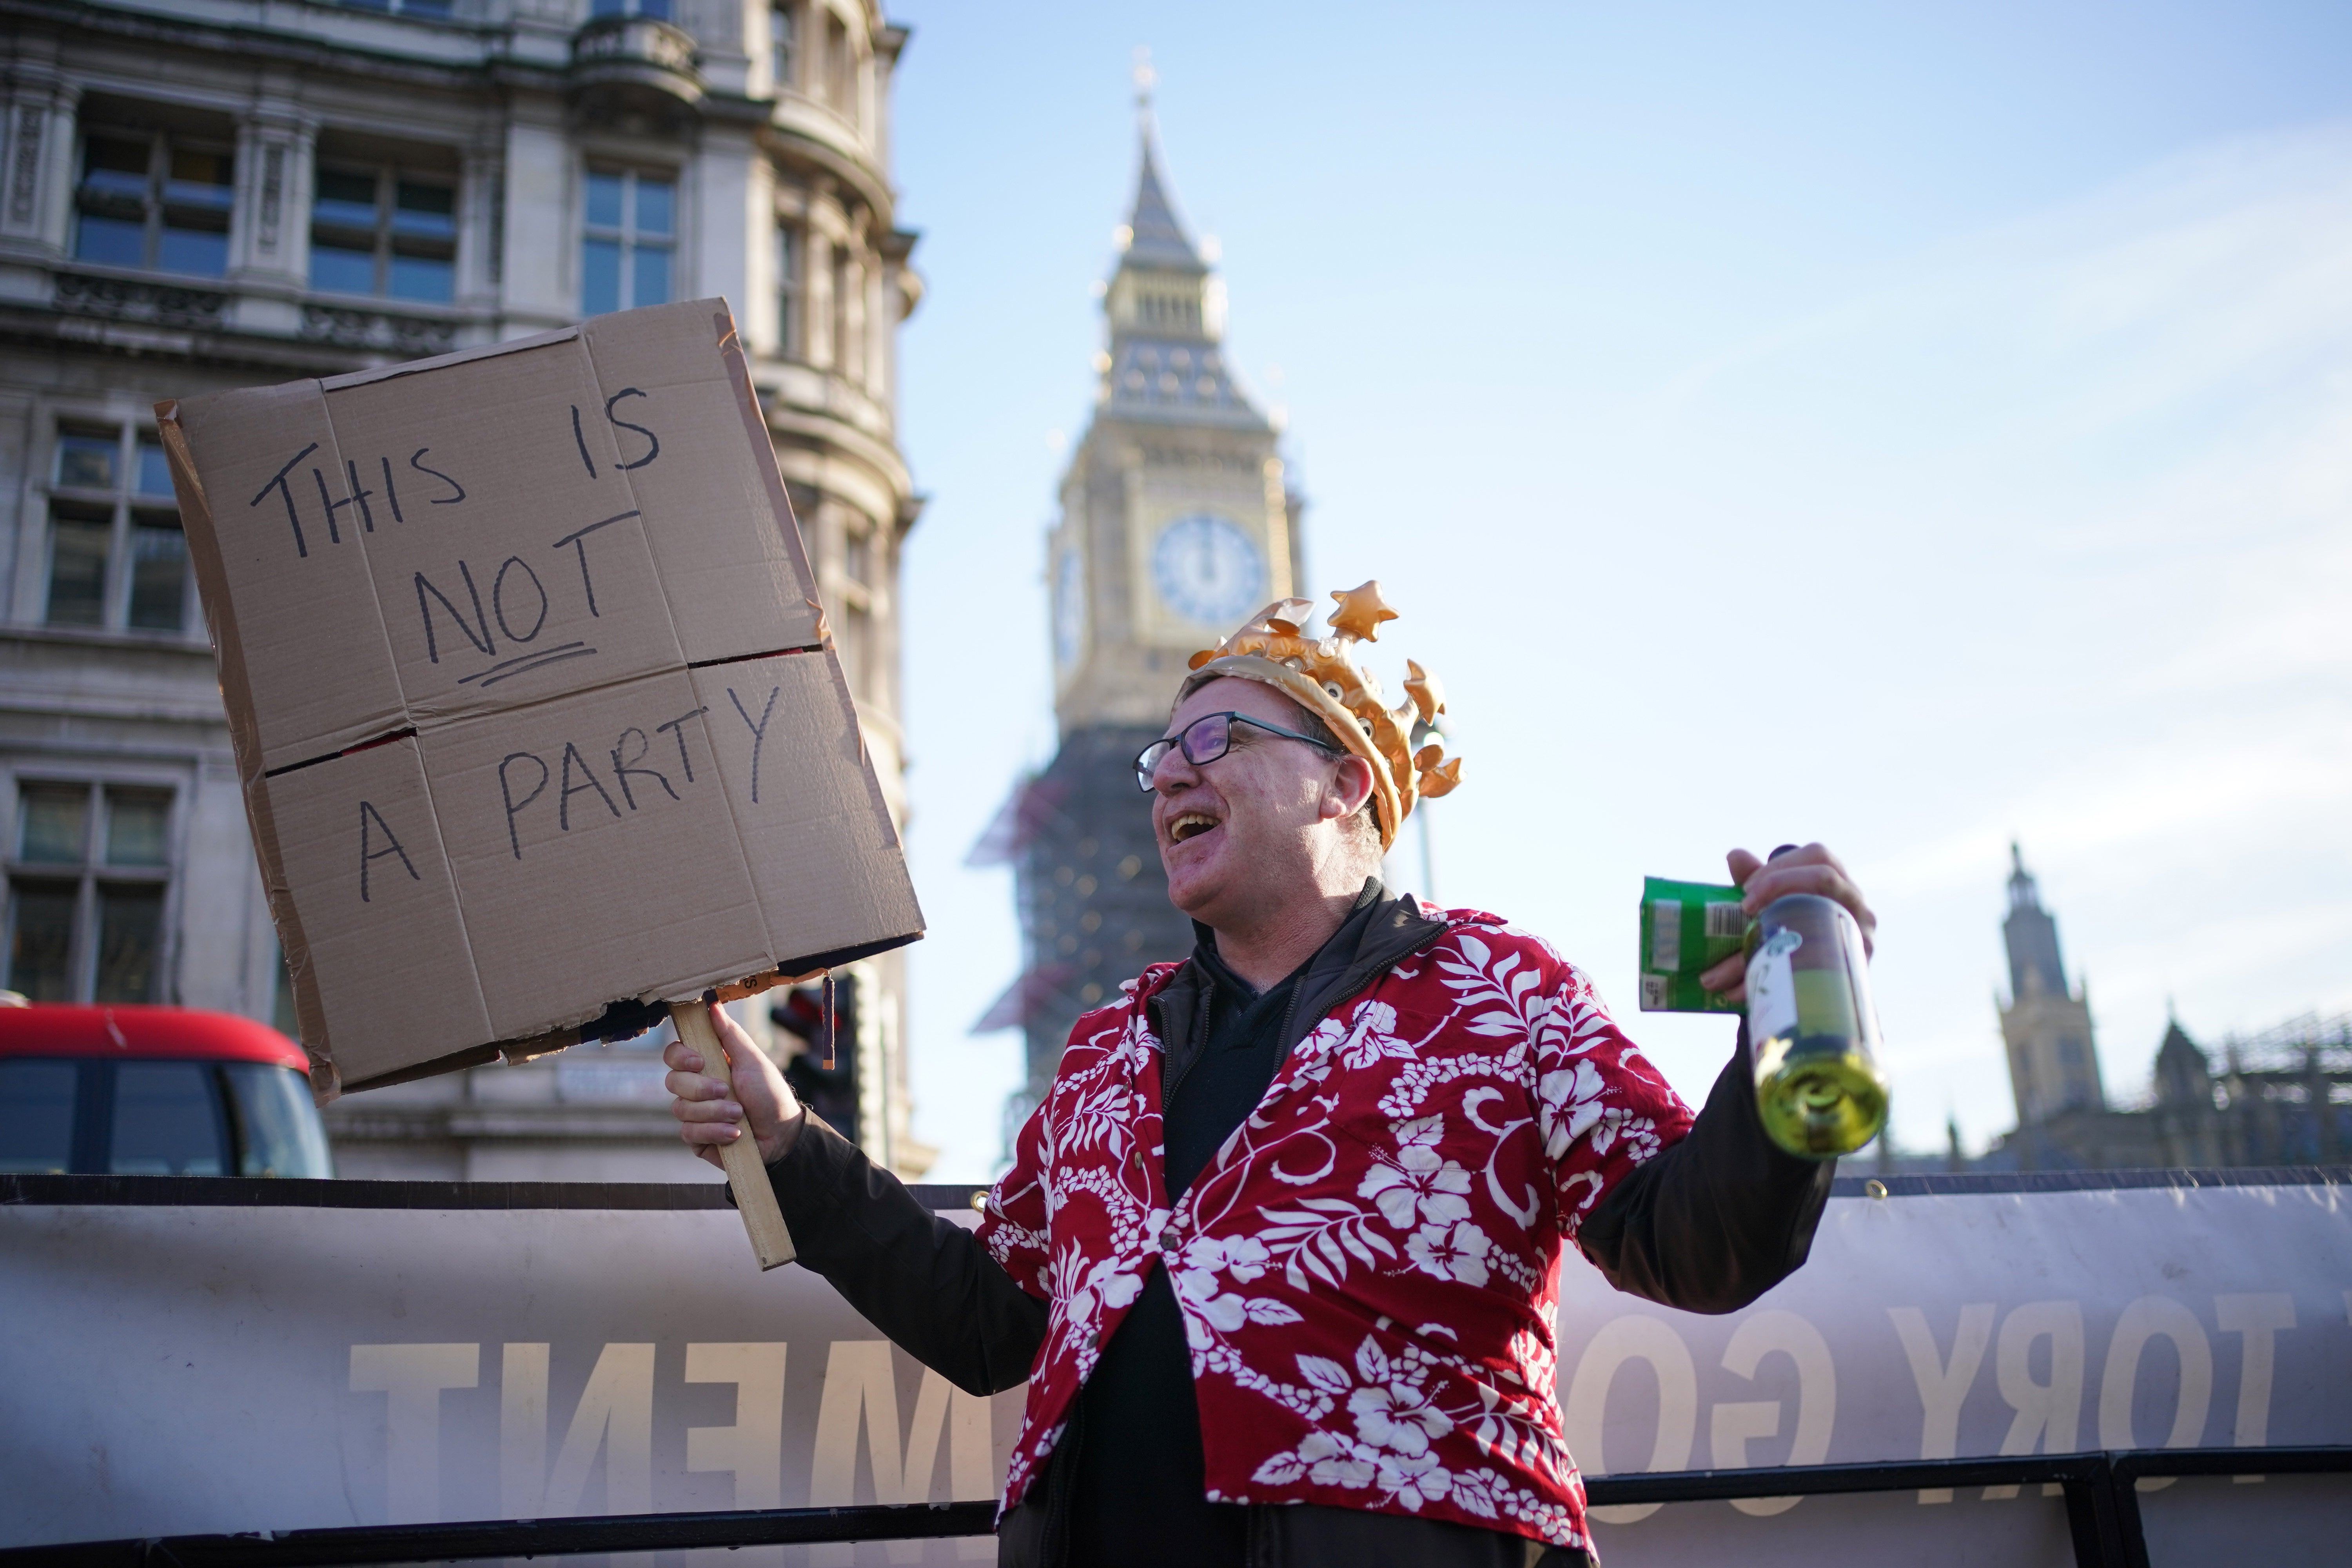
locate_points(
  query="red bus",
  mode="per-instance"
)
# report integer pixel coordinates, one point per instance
(126, 1091)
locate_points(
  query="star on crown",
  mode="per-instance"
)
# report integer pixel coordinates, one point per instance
(1361, 610)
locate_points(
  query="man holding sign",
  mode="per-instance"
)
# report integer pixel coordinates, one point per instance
(1277, 1255)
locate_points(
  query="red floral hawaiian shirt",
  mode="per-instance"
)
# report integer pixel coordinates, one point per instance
(1368, 1268)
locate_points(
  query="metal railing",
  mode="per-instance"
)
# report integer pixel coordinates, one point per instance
(2102, 1511)
(2102, 1499)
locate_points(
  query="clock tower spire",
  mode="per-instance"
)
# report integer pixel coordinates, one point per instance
(1175, 519)
(1176, 523)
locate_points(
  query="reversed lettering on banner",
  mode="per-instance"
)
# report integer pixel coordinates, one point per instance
(496, 1365)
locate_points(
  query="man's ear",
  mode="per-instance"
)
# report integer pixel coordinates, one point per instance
(1350, 786)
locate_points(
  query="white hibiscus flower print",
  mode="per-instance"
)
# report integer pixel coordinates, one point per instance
(1196, 1291)
(1372, 1035)
(1325, 1036)
(1332, 1461)
(1569, 1103)
(1242, 1257)
(1397, 1416)
(1414, 1479)
(1211, 1310)
(1459, 1254)
(1417, 1181)
(1396, 1423)
(1108, 1288)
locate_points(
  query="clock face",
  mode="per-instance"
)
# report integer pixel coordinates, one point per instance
(1208, 569)
(1069, 607)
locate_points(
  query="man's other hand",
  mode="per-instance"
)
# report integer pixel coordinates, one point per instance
(709, 1115)
(1812, 869)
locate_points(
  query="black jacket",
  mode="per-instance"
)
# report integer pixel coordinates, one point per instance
(1707, 1224)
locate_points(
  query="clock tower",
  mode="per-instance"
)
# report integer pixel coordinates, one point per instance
(1175, 525)
(1175, 521)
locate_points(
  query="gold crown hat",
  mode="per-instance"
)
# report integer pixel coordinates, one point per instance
(1324, 676)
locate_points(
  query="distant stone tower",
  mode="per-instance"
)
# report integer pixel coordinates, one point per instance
(2189, 1127)
(1175, 524)
(2053, 1064)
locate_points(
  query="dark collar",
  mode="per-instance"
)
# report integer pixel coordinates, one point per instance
(1378, 933)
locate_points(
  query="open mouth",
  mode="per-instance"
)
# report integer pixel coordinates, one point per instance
(1190, 825)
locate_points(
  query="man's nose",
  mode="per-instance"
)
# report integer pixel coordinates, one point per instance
(1173, 771)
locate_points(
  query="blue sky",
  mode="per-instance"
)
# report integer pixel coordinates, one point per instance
(1909, 428)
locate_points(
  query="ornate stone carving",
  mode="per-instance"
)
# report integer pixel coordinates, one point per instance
(130, 300)
(635, 38)
(411, 336)
(634, 65)
(24, 176)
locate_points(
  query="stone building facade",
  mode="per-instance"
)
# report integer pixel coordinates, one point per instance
(2280, 1097)
(1176, 523)
(197, 194)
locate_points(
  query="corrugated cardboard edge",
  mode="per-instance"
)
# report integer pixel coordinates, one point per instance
(443, 361)
(780, 502)
(637, 1016)
(245, 743)
(747, 400)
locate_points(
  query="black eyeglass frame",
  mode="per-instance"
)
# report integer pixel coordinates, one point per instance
(1147, 760)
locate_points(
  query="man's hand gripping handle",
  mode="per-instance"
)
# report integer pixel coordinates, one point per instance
(739, 1156)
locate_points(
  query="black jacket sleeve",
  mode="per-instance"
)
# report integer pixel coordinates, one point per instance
(1718, 1220)
(924, 1280)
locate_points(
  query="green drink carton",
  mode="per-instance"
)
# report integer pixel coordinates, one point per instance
(1687, 928)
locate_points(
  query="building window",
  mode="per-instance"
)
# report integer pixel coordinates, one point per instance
(117, 557)
(385, 230)
(629, 241)
(784, 45)
(154, 202)
(86, 890)
(659, 10)
(858, 557)
(848, 316)
(840, 68)
(791, 257)
(856, 637)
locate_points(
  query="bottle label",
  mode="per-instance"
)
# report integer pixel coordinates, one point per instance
(1772, 987)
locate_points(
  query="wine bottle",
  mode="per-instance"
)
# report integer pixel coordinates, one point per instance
(1813, 1030)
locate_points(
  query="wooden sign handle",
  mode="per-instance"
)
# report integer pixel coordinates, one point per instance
(771, 1243)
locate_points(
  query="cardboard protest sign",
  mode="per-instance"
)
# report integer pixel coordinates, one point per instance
(538, 717)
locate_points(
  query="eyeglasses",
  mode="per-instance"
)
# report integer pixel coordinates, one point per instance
(1209, 737)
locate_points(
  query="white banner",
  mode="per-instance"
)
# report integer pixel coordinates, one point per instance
(190, 1369)
(1986, 1323)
